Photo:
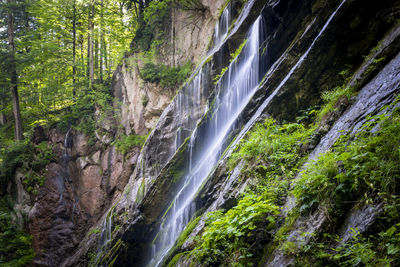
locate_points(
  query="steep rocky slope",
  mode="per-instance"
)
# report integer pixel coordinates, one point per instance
(261, 76)
(305, 49)
(88, 174)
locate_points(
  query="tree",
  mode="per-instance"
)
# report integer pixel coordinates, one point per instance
(13, 74)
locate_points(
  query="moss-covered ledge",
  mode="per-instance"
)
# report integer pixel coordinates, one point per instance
(166, 185)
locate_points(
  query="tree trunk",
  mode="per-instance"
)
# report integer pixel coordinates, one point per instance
(14, 77)
(90, 44)
(102, 43)
(74, 50)
(96, 55)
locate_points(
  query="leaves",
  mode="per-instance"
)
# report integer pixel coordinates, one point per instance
(229, 232)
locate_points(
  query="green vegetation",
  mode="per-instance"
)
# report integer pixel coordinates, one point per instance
(175, 259)
(125, 143)
(228, 236)
(94, 231)
(141, 191)
(331, 97)
(165, 76)
(15, 245)
(238, 50)
(219, 76)
(361, 169)
(272, 155)
(30, 158)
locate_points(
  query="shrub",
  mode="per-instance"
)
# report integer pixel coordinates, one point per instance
(32, 160)
(15, 245)
(165, 76)
(127, 142)
(229, 235)
(365, 166)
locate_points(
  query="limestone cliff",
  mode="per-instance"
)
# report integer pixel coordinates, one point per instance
(304, 46)
(256, 60)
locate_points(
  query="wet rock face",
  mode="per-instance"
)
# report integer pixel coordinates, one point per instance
(38, 135)
(143, 102)
(56, 222)
(78, 188)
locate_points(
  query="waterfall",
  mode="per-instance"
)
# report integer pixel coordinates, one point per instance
(233, 92)
(189, 100)
(261, 109)
(105, 237)
(222, 26)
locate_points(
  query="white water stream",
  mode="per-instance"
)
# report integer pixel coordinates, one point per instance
(234, 90)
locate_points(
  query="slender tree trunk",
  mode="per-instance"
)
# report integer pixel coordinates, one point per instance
(105, 57)
(14, 76)
(102, 43)
(82, 59)
(96, 55)
(141, 10)
(3, 105)
(109, 58)
(74, 50)
(88, 41)
(90, 44)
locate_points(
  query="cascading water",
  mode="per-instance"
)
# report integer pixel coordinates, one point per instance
(105, 235)
(222, 26)
(190, 99)
(188, 102)
(233, 92)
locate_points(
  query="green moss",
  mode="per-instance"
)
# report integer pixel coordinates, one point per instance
(166, 76)
(112, 254)
(222, 8)
(219, 76)
(180, 241)
(238, 50)
(175, 259)
(126, 143)
(187, 231)
(15, 244)
(94, 231)
(141, 191)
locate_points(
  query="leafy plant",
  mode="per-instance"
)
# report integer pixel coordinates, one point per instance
(32, 160)
(229, 235)
(367, 165)
(126, 142)
(165, 76)
(15, 244)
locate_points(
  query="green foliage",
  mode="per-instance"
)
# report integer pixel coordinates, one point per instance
(219, 76)
(332, 96)
(126, 142)
(358, 251)
(94, 231)
(32, 160)
(151, 29)
(141, 191)
(228, 236)
(81, 115)
(15, 245)
(175, 259)
(239, 50)
(165, 76)
(369, 164)
(275, 147)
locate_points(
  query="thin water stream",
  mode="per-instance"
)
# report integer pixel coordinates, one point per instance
(234, 90)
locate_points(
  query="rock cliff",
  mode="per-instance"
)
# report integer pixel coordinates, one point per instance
(257, 61)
